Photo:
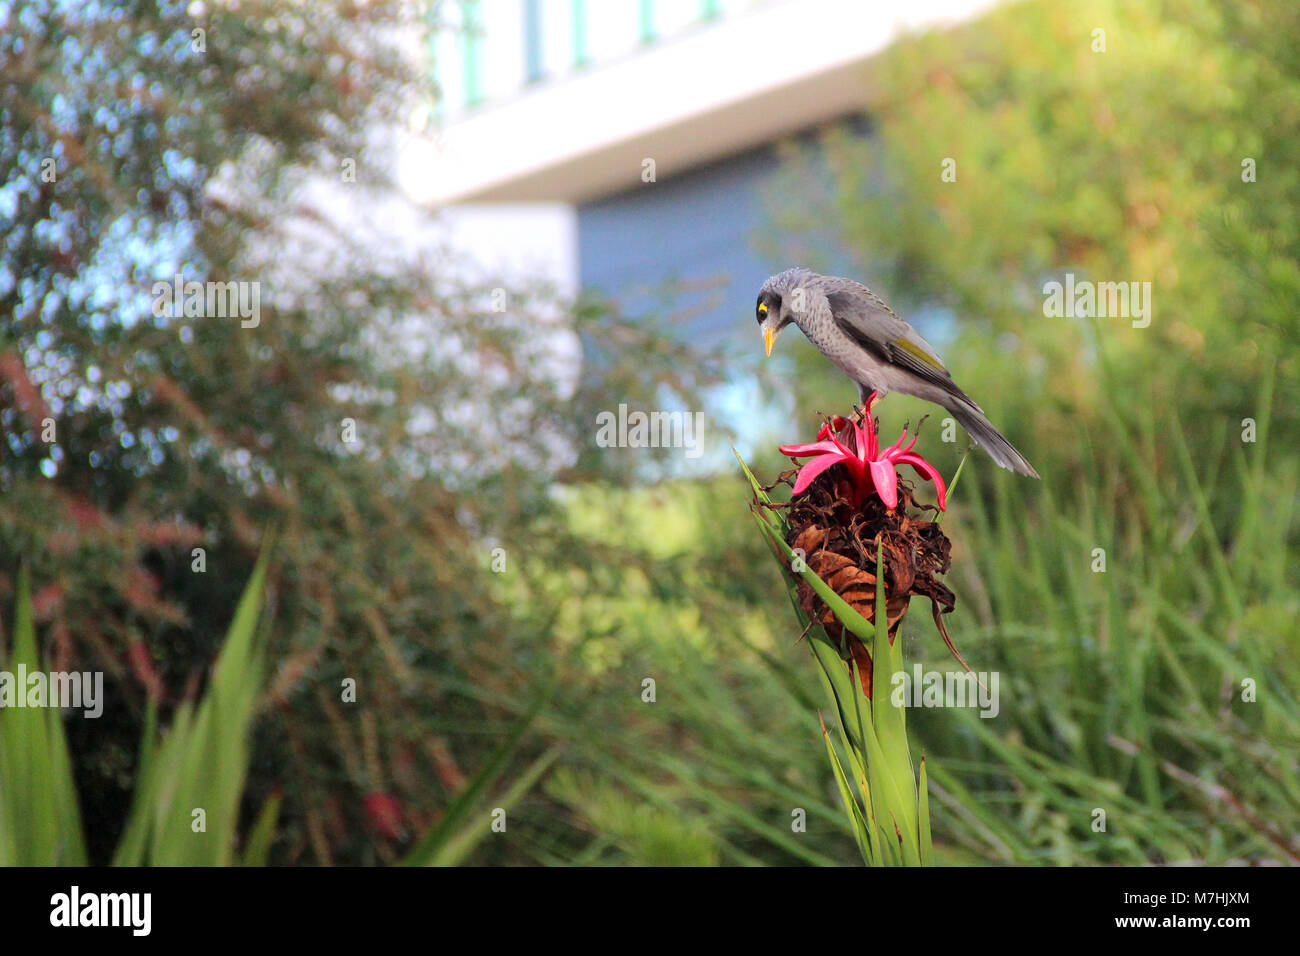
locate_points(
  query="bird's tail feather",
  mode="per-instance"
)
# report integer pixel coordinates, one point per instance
(990, 439)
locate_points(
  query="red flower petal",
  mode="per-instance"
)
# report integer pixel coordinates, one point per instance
(817, 448)
(897, 447)
(830, 428)
(810, 471)
(886, 481)
(864, 462)
(929, 473)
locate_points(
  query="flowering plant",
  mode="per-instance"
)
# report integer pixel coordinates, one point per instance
(869, 469)
(860, 548)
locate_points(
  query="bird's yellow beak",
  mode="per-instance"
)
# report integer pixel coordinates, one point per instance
(769, 337)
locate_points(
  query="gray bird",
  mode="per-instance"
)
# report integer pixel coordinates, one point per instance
(862, 336)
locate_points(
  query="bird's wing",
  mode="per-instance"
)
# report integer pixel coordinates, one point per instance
(866, 319)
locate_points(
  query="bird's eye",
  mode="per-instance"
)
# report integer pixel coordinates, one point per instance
(762, 308)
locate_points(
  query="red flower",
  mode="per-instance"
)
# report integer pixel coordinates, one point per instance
(869, 469)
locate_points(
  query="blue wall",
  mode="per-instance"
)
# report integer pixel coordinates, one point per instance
(699, 230)
(696, 229)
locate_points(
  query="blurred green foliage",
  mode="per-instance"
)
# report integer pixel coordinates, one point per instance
(190, 781)
(131, 439)
(524, 689)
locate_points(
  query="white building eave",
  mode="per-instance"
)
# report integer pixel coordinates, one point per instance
(699, 97)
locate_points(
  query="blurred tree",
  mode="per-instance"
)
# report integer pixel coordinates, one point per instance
(386, 417)
(1152, 151)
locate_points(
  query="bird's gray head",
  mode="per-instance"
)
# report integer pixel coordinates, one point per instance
(773, 310)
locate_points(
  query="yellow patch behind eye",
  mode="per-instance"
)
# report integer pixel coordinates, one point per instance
(762, 308)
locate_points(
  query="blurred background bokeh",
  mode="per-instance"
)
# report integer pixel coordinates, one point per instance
(474, 227)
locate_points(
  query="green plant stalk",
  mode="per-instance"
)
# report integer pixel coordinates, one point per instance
(202, 762)
(886, 812)
(40, 824)
(952, 485)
